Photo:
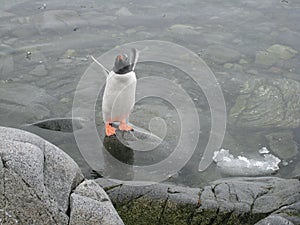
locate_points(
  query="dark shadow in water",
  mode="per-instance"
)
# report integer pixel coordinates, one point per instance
(118, 150)
(67, 125)
(118, 159)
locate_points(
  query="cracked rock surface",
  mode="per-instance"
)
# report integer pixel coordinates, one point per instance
(38, 181)
(226, 201)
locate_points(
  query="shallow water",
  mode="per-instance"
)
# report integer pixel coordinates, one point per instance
(252, 48)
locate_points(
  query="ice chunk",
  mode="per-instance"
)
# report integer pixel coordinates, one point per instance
(242, 166)
(263, 150)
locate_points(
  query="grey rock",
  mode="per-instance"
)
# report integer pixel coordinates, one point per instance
(226, 201)
(283, 144)
(267, 103)
(91, 205)
(274, 219)
(144, 203)
(37, 179)
(221, 54)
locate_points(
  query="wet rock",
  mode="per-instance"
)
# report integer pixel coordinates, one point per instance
(221, 54)
(123, 12)
(267, 103)
(226, 201)
(283, 144)
(273, 54)
(37, 180)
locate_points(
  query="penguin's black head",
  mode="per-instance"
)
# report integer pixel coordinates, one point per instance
(122, 64)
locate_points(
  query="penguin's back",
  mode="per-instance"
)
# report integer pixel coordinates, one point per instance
(119, 96)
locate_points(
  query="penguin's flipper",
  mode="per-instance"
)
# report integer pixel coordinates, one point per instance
(96, 61)
(134, 58)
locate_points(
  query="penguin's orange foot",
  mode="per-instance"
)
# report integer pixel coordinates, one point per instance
(125, 127)
(109, 130)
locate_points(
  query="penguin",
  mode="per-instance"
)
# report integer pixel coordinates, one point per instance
(119, 93)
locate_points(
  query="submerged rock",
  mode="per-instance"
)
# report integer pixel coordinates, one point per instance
(123, 12)
(221, 54)
(39, 70)
(182, 29)
(32, 104)
(267, 103)
(283, 144)
(273, 54)
(239, 201)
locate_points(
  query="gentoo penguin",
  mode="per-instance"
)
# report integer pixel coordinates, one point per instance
(119, 93)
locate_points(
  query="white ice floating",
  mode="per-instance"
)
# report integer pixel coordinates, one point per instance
(263, 150)
(242, 166)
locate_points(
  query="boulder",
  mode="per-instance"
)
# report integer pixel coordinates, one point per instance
(91, 205)
(37, 180)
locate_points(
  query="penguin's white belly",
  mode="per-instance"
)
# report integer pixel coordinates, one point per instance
(119, 96)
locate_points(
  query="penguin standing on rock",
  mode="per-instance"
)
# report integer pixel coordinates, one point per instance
(119, 93)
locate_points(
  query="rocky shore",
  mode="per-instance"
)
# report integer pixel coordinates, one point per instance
(40, 184)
